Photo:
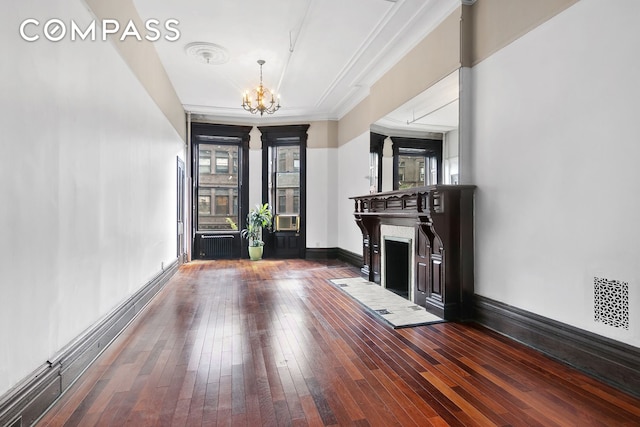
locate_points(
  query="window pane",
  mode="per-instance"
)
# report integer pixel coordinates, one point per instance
(217, 187)
(204, 205)
(417, 162)
(287, 179)
(282, 201)
(222, 205)
(411, 171)
(373, 172)
(296, 201)
(222, 162)
(204, 163)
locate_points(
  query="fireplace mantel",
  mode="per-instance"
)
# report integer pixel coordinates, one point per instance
(442, 218)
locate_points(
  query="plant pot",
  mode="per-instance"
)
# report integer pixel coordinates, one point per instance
(255, 252)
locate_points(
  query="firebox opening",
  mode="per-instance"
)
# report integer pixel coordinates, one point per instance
(397, 259)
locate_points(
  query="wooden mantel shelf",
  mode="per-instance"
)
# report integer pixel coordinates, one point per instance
(442, 217)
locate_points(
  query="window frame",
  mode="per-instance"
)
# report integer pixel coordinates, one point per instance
(279, 136)
(230, 135)
(376, 148)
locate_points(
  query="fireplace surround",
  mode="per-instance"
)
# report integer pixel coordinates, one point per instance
(397, 234)
(438, 222)
(397, 265)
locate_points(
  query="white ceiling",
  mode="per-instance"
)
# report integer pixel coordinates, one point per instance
(321, 55)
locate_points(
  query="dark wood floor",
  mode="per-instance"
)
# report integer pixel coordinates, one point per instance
(273, 343)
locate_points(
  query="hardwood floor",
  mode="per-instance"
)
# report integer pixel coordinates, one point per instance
(273, 343)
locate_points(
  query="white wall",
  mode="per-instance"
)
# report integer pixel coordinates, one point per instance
(353, 176)
(555, 155)
(322, 181)
(88, 183)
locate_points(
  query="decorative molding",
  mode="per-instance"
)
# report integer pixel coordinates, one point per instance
(28, 401)
(610, 361)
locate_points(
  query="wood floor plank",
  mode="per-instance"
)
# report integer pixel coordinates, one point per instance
(235, 343)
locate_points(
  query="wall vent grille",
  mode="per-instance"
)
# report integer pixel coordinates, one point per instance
(611, 302)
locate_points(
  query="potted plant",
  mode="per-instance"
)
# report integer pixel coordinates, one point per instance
(258, 218)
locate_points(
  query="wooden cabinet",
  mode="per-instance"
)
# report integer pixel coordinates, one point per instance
(441, 217)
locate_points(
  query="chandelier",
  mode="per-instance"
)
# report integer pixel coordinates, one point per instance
(265, 100)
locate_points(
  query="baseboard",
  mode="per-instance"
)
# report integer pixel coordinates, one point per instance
(610, 361)
(28, 401)
(335, 253)
(321, 253)
(350, 257)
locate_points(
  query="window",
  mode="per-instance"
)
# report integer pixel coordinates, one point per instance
(416, 162)
(284, 151)
(282, 201)
(296, 161)
(222, 204)
(204, 162)
(204, 205)
(296, 201)
(217, 189)
(287, 178)
(222, 162)
(219, 152)
(373, 172)
(376, 145)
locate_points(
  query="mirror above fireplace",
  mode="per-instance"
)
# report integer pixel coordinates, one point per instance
(433, 115)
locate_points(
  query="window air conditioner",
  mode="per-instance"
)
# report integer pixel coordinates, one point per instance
(287, 223)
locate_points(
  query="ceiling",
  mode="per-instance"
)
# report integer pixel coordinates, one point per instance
(322, 56)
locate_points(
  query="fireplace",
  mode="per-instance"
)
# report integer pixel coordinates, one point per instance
(397, 265)
(436, 223)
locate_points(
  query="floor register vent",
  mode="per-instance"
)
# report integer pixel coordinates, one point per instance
(611, 302)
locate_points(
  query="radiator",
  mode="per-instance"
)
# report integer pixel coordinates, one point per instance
(216, 246)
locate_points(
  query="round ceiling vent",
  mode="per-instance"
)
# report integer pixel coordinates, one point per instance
(207, 53)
